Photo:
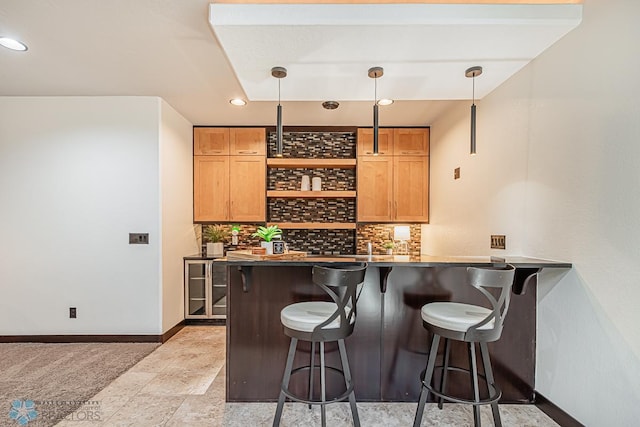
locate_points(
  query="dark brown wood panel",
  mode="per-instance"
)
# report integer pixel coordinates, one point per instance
(388, 349)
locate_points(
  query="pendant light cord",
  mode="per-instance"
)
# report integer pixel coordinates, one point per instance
(473, 90)
(279, 91)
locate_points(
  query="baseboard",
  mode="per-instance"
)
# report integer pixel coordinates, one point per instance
(555, 413)
(92, 338)
(79, 338)
(171, 332)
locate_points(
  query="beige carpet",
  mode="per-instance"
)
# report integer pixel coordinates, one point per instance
(58, 378)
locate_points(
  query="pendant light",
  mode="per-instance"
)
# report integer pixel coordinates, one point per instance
(374, 73)
(472, 73)
(279, 73)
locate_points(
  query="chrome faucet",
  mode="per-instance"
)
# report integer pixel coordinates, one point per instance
(369, 248)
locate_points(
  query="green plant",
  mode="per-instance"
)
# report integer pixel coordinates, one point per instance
(388, 245)
(236, 228)
(268, 233)
(215, 233)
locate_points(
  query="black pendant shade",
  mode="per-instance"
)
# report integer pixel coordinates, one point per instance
(472, 73)
(374, 73)
(279, 73)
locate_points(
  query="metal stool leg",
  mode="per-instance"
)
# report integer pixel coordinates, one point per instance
(473, 367)
(349, 383)
(285, 381)
(323, 386)
(445, 371)
(424, 392)
(488, 372)
(311, 363)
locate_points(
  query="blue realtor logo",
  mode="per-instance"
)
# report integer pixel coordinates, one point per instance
(23, 411)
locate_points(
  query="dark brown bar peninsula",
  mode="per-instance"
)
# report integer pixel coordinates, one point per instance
(388, 349)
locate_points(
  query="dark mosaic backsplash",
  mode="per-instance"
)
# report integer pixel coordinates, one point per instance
(245, 241)
(321, 241)
(291, 179)
(314, 145)
(378, 234)
(311, 210)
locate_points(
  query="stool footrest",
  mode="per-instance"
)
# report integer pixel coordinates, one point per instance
(344, 396)
(491, 399)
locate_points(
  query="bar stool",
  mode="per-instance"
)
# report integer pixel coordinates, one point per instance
(320, 322)
(471, 324)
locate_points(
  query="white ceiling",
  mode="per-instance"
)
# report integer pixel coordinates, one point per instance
(423, 48)
(167, 48)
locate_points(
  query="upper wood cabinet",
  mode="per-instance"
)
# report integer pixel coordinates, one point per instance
(229, 178)
(247, 188)
(375, 188)
(248, 141)
(410, 142)
(411, 188)
(210, 188)
(365, 142)
(229, 141)
(210, 141)
(394, 185)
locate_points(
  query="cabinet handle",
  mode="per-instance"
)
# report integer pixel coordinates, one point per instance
(247, 152)
(411, 152)
(371, 152)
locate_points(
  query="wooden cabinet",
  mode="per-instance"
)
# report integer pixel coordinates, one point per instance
(365, 142)
(375, 188)
(248, 141)
(411, 188)
(210, 188)
(247, 187)
(210, 141)
(395, 188)
(229, 141)
(229, 187)
(411, 142)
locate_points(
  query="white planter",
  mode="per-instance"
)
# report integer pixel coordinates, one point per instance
(215, 249)
(268, 246)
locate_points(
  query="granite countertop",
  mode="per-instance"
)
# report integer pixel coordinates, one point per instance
(403, 260)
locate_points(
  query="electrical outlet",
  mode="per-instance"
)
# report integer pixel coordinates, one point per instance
(456, 173)
(498, 241)
(138, 238)
(72, 313)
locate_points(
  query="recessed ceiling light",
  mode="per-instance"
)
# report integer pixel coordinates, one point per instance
(385, 101)
(12, 44)
(238, 102)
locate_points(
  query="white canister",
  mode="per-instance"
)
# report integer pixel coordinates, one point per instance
(305, 183)
(316, 184)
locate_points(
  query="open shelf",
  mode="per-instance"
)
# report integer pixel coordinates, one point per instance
(311, 194)
(316, 225)
(311, 163)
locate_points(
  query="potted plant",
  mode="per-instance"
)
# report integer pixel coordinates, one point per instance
(267, 234)
(389, 247)
(215, 236)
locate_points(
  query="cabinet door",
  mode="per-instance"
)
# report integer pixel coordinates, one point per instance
(247, 141)
(210, 188)
(411, 142)
(411, 188)
(365, 142)
(196, 288)
(375, 189)
(210, 141)
(247, 185)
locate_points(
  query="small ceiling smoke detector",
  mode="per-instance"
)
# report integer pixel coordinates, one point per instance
(330, 105)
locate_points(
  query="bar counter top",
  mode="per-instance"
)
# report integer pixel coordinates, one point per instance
(405, 261)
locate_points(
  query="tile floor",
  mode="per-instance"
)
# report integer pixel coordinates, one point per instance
(182, 384)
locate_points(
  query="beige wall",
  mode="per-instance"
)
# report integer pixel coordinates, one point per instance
(557, 172)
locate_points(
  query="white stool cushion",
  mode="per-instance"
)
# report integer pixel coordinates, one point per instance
(305, 316)
(455, 316)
